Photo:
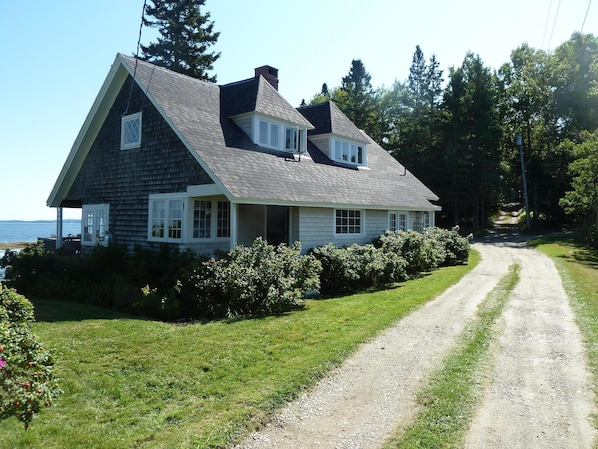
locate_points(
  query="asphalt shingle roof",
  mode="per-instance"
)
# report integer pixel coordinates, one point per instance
(201, 112)
(329, 119)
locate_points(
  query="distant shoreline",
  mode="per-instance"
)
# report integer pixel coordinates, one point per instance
(14, 245)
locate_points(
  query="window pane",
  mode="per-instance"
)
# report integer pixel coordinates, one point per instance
(223, 229)
(360, 155)
(337, 150)
(291, 139)
(175, 219)
(274, 135)
(131, 131)
(263, 138)
(348, 221)
(202, 219)
(392, 222)
(158, 215)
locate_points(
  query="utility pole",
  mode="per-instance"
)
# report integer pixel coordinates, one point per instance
(519, 142)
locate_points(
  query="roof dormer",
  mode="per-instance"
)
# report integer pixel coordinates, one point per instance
(258, 109)
(335, 135)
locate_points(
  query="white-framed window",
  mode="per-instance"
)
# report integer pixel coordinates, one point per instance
(94, 224)
(422, 221)
(269, 134)
(348, 222)
(130, 131)
(223, 223)
(397, 221)
(295, 139)
(278, 136)
(166, 219)
(348, 152)
(202, 219)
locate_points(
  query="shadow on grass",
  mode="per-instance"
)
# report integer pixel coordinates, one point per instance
(51, 311)
(581, 252)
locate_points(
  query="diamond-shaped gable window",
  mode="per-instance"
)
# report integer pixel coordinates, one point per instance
(130, 135)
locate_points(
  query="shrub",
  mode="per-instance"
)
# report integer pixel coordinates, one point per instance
(357, 267)
(27, 381)
(256, 280)
(421, 253)
(456, 247)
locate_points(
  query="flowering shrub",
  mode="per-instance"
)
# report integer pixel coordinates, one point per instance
(27, 381)
(255, 280)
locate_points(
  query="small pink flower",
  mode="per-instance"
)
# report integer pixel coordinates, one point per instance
(2, 363)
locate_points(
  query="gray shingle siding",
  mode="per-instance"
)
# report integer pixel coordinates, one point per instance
(125, 178)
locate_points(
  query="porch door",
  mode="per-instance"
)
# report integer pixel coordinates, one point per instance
(277, 227)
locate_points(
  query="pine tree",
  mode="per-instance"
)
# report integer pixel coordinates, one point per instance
(185, 36)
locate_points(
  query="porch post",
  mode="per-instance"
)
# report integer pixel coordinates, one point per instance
(58, 227)
(234, 219)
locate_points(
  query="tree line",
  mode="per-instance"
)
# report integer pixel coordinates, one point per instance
(458, 135)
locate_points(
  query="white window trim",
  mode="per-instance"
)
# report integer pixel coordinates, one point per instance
(397, 214)
(350, 144)
(213, 220)
(123, 123)
(349, 234)
(99, 215)
(282, 131)
(187, 221)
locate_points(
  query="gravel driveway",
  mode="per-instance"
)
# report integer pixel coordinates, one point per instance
(539, 394)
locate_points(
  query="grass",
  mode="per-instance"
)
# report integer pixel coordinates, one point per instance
(448, 401)
(135, 383)
(578, 267)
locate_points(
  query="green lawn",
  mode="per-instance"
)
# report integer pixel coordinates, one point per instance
(134, 383)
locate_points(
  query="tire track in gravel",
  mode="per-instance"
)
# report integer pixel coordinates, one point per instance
(540, 395)
(362, 402)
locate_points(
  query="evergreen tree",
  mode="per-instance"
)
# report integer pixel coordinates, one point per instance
(358, 100)
(185, 37)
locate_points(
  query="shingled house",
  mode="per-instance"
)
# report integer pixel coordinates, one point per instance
(165, 158)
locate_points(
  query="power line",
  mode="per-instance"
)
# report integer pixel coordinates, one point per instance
(585, 17)
(546, 24)
(136, 57)
(554, 23)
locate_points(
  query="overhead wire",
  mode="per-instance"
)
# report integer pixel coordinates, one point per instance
(546, 24)
(586, 16)
(136, 57)
(554, 24)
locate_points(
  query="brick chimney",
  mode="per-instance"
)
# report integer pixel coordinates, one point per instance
(270, 73)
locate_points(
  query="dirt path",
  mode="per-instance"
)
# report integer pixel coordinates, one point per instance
(540, 392)
(362, 403)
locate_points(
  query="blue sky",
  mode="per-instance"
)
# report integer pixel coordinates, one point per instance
(55, 56)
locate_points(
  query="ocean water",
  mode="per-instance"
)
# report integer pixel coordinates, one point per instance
(29, 231)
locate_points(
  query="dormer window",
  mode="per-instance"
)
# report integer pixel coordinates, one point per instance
(269, 134)
(295, 139)
(278, 136)
(130, 132)
(348, 152)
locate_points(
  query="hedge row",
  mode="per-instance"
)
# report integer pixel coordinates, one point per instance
(395, 256)
(255, 280)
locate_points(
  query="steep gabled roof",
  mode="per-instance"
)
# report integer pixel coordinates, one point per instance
(199, 113)
(329, 119)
